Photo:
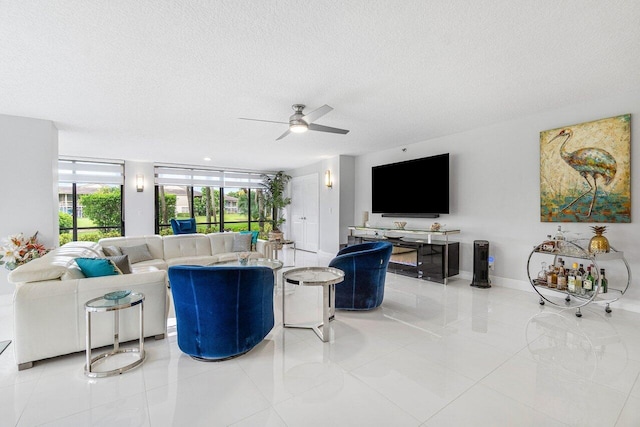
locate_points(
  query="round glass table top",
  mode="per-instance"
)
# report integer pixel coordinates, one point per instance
(273, 264)
(313, 276)
(106, 303)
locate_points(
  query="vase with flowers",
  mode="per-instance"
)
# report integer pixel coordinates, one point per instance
(17, 250)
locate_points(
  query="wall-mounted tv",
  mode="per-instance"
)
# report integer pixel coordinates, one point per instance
(414, 188)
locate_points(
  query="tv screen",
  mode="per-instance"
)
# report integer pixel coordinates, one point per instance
(418, 187)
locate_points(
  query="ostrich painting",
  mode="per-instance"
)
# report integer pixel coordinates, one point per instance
(586, 164)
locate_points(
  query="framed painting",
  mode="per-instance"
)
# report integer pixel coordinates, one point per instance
(585, 172)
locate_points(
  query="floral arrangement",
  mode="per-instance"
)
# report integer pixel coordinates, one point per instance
(17, 250)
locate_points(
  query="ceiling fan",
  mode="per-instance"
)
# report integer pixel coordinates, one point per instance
(300, 122)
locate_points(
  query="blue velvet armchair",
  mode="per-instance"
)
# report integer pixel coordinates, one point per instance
(183, 226)
(221, 311)
(365, 269)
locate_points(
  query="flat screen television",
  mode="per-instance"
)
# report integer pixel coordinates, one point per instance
(414, 188)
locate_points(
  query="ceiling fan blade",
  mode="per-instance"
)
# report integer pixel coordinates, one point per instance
(283, 135)
(313, 126)
(258, 120)
(316, 114)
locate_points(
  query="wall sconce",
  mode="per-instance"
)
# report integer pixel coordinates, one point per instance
(140, 182)
(327, 179)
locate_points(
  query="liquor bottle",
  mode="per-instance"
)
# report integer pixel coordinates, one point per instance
(579, 288)
(571, 279)
(587, 281)
(581, 270)
(552, 277)
(559, 238)
(579, 276)
(604, 283)
(562, 279)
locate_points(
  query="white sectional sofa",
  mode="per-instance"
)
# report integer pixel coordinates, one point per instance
(185, 249)
(48, 304)
(49, 315)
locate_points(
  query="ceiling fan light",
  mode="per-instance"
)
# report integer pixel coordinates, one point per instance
(298, 127)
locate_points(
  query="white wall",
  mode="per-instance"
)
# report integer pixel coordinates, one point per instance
(346, 181)
(139, 214)
(336, 203)
(495, 189)
(29, 190)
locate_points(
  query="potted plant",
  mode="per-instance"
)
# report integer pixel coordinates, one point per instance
(274, 198)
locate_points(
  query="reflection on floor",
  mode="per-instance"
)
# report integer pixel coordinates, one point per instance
(432, 355)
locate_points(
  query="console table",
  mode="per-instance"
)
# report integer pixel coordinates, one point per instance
(424, 254)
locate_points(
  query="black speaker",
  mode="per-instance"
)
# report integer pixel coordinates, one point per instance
(481, 264)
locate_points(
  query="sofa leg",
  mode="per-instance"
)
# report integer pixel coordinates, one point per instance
(159, 337)
(23, 366)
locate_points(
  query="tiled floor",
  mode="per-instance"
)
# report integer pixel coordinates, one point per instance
(430, 356)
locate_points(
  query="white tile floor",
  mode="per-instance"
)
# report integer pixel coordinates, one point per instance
(430, 356)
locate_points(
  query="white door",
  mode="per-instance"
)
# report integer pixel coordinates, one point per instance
(305, 227)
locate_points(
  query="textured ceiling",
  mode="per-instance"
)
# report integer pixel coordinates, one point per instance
(166, 81)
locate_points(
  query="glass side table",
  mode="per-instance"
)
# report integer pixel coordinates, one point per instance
(106, 303)
(273, 246)
(327, 277)
(273, 264)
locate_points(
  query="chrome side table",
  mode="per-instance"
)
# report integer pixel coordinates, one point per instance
(327, 277)
(110, 303)
(273, 246)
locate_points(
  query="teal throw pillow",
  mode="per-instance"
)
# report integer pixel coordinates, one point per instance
(97, 267)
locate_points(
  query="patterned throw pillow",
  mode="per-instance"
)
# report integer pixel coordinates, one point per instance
(242, 243)
(97, 267)
(137, 253)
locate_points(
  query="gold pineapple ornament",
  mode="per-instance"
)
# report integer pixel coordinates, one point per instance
(599, 243)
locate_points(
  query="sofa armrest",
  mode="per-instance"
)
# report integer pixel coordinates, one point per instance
(261, 247)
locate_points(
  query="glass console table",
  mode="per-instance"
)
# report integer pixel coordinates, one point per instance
(420, 253)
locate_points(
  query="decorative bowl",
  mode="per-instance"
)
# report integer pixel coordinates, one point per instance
(400, 224)
(116, 295)
(436, 226)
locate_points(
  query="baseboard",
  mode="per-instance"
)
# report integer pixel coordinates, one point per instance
(523, 285)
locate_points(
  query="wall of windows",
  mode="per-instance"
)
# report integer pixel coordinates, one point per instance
(218, 200)
(90, 203)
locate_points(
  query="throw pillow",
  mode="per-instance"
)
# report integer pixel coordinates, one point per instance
(122, 262)
(97, 267)
(137, 253)
(185, 225)
(111, 251)
(241, 243)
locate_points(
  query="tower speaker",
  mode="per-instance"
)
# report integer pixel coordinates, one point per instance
(481, 264)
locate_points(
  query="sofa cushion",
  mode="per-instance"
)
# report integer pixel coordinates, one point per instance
(192, 260)
(153, 242)
(122, 262)
(97, 267)
(221, 242)
(186, 245)
(137, 253)
(242, 243)
(36, 272)
(111, 250)
(73, 273)
(54, 264)
(159, 264)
